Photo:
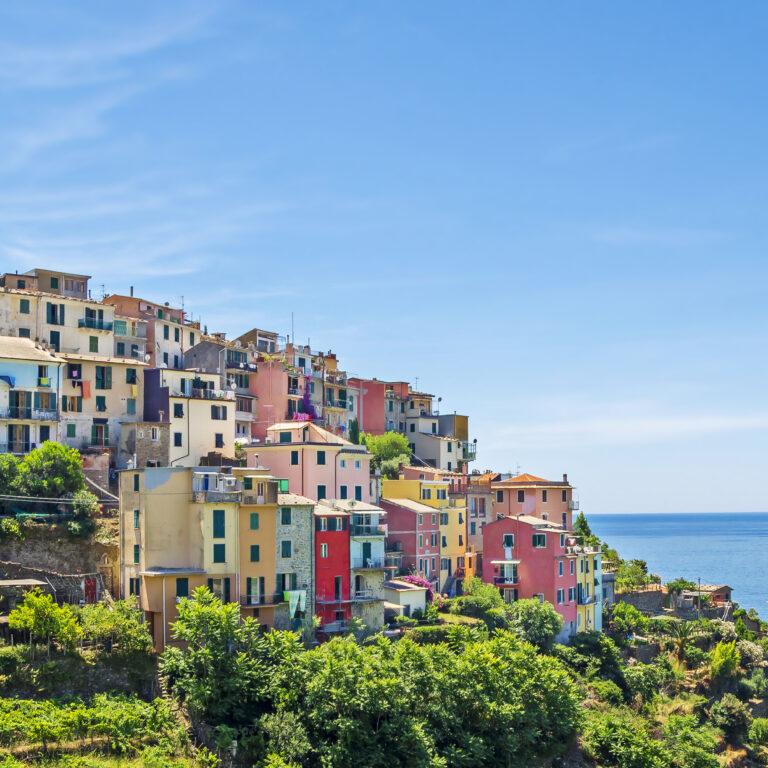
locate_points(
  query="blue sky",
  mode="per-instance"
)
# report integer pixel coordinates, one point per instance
(551, 214)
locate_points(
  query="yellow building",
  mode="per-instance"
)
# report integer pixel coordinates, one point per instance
(238, 533)
(456, 558)
(589, 589)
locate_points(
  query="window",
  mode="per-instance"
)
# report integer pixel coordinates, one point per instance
(449, 466)
(24, 333)
(571, 594)
(508, 541)
(166, 332)
(539, 540)
(421, 519)
(342, 463)
(358, 493)
(433, 540)
(421, 540)
(560, 596)
(472, 529)
(120, 348)
(254, 521)
(154, 434)
(219, 438)
(321, 457)
(357, 463)
(323, 550)
(443, 563)
(520, 497)
(131, 406)
(182, 587)
(176, 334)
(101, 403)
(586, 566)
(434, 519)
(565, 496)
(255, 553)
(71, 430)
(219, 553)
(178, 410)
(285, 437)
(294, 458)
(136, 553)
(22, 284)
(560, 568)
(581, 566)
(572, 568)
(55, 283)
(285, 516)
(134, 587)
(177, 439)
(321, 492)
(499, 496)
(219, 412)
(443, 518)
(191, 339)
(413, 427)
(135, 482)
(341, 524)
(218, 523)
(136, 518)
(134, 350)
(165, 359)
(103, 377)
(342, 491)
(445, 542)
(450, 446)
(285, 548)
(93, 344)
(544, 497)
(442, 493)
(461, 540)
(24, 306)
(426, 493)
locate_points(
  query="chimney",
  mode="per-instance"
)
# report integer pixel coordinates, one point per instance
(565, 477)
(131, 291)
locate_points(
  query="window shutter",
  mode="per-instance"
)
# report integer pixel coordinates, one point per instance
(317, 524)
(61, 314)
(344, 524)
(332, 524)
(108, 379)
(224, 412)
(210, 584)
(106, 434)
(261, 589)
(54, 401)
(49, 313)
(294, 581)
(64, 403)
(213, 412)
(248, 582)
(37, 401)
(226, 590)
(94, 434)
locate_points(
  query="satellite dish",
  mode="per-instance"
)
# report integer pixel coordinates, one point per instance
(147, 357)
(232, 385)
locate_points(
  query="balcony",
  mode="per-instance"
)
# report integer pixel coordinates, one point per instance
(363, 595)
(97, 442)
(458, 488)
(216, 497)
(270, 497)
(293, 391)
(360, 564)
(129, 330)
(508, 581)
(321, 598)
(24, 413)
(394, 556)
(339, 404)
(586, 600)
(573, 504)
(254, 601)
(17, 446)
(231, 365)
(204, 394)
(367, 530)
(469, 449)
(335, 626)
(94, 324)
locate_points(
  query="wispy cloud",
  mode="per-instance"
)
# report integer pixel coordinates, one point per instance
(99, 58)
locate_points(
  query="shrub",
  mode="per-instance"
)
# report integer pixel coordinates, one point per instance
(10, 529)
(750, 654)
(535, 622)
(645, 680)
(758, 732)
(695, 656)
(592, 654)
(621, 741)
(690, 745)
(731, 716)
(429, 635)
(607, 690)
(627, 620)
(725, 661)
(723, 631)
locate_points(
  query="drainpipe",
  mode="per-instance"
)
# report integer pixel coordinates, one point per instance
(163, 612)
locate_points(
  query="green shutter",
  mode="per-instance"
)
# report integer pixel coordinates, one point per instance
(37, 401)
(106, 434)
(94, 434)
(226, 590)
(108, 384)
(64, 403)
(261, 588)
(218, 523)
(248, 586)
(248, 483)
(61, 314)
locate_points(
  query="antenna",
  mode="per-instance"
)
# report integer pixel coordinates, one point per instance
(293, 335)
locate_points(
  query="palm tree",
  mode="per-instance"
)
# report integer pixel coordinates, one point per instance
(683, 633)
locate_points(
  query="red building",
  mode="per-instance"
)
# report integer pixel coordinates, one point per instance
(332, 568)
(526, 557)
(414, 529)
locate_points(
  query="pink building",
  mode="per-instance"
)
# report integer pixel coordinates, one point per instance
(317, 463)
(526, 557)
(529, 495)
(369, 407)
(413, 528)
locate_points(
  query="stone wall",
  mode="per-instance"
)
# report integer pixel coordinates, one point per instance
(649, 601)
(51, 548)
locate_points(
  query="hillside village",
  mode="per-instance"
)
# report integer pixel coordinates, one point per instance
(238, 465)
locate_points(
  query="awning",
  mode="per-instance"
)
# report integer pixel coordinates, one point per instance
(9, 380)
(506, 562)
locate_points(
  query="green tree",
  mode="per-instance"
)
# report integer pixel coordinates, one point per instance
(731, 716)
(677, 586)
(389, 451)
(725, 661)
(354, 431)
(52, 470)
(683, 633)
(581, 526)
(627, 620)
(46, 620)
(9, 471)
(120, 624)
(536, 622)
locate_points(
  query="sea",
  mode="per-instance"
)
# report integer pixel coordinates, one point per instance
(720, 548)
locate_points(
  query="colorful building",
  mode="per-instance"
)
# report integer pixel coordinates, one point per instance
(332, 568)
(589, 586)
(30, 395)
(529, 495)
(317, 463)
(526, 557)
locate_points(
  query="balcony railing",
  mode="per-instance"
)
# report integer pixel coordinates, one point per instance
(322, 598)
(293, 390)
(361, 595)
(94, 324)
(367, 530)
(268, 497)
(458, 488)
(573, 504)
(216, 497)
(338, 404)
(470, 449)
(23, 413)
(360, 563)
(122, 328)
(98, 442)
(511, 581)
(335, 626)
(204, 394)
(584, 600)
(17, 446)
(254, 601)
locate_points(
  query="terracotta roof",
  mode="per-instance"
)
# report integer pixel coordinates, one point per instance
(321, 435)
(527, 479)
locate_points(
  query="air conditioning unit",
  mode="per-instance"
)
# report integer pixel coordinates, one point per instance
(267, 439)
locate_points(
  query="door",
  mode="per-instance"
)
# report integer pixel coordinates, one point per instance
(450, 562)
(358, 584)
(366, 553)
(90, 590)
(337, 587)
(56, 340)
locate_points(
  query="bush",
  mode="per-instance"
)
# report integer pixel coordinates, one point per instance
(690, 745)
(10, 529)
(758, 732)
(607, 690)
(646, 680)
(750, 654)
(627, 620)
(731, 716)
(536, 623)
(725, 661)
(622, 742)
(592, 654)
(429, 635)
(695, 656)
(722, 631)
